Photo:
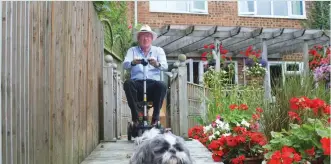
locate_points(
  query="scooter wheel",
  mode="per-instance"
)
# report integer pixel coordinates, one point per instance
(129, 131)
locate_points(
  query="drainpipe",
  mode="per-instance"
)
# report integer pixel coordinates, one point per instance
(135, 13)
(0, 80)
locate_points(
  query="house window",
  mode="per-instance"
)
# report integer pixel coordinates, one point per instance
(179, 6)
(272, 8)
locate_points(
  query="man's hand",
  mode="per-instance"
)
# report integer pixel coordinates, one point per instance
(153, 62)
(136, 61)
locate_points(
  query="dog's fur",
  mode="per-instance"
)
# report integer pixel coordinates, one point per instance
(155, 147)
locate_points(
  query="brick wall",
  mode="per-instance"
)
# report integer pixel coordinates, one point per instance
(223, 13)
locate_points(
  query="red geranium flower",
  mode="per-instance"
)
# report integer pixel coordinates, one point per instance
(233, 106)
(294, 116)
(310, 152)
(231, 141)
(326, 110)
(216, 158)
(243, 107)
(326, 145)
(259, 110)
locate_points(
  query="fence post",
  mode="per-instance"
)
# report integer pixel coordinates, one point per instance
(182, 96)
(115, 100)
(108, 96)
(119, 106)
(174, 111)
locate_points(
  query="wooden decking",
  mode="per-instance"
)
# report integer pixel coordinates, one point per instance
(119, 153)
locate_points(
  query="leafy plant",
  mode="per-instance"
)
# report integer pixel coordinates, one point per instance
(234, 136)
(118, 34)
(306, 139)
(319, 16)
(275, 117)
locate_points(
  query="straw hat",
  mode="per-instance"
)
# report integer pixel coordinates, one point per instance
(146, 28)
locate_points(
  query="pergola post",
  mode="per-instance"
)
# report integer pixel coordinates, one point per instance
(305, 58)
(267, 86)
(191, 70)
(201, 72)
(217, 55)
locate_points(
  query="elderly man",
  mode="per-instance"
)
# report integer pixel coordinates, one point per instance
(155, 89)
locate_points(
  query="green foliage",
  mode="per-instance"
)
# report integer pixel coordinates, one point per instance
(118, 36)
(222, 93)
(301, 138)
(275, 116)
(319, 16)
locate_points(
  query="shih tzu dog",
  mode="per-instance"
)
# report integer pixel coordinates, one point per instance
(157, 147)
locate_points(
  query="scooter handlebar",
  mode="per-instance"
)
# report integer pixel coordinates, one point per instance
(143, 62)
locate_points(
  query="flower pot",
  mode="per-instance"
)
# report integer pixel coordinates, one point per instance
(253, 160)
(318, 160)
(249, 160)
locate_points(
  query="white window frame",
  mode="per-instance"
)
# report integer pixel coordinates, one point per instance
(191, 9)
(300, 71)
(289, 4)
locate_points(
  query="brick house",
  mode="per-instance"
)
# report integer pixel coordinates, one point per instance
(251, 16)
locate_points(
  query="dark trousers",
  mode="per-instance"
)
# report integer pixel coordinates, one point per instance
(155, 90)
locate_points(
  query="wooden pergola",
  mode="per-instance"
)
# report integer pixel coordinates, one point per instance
(190, 39)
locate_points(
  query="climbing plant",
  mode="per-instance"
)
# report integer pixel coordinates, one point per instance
(117, 30)
(319, 16)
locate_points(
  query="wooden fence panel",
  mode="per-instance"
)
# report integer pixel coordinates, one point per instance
(50, 82)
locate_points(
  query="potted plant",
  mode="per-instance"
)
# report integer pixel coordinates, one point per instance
(308, 138)
(234, 137)
(254, 65)
(319, 63)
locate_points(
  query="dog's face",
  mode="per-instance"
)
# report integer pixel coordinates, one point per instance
(162, 149)
(168, 149)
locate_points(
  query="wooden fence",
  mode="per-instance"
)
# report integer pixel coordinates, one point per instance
(186, 100)
(51, 81)
(116, 112)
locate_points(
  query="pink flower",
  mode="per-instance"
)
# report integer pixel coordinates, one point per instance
(218, 117)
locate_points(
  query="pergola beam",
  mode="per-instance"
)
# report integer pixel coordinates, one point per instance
(245, 34)
(162, 31)
(266, 34)
(198, 33)
(183, 39)
(298, 45)
(287, 35)
(174, 33)
(293, 42)
(221, 33)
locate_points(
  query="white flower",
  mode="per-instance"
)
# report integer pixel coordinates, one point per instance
(237, 124)
(245, 123)
(211, 137)
(226, 134)
(217, 133)
(226, 126)
(207, 128)
(218, 122)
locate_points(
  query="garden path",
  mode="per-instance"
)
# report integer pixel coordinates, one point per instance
(119, 153)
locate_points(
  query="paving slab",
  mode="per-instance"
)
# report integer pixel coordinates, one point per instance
(120, 152)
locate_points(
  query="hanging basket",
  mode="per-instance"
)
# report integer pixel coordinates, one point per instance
(255, 80)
